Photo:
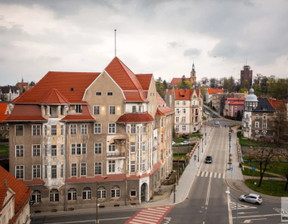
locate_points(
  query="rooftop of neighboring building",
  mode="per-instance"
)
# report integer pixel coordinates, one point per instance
(185, 94)
(251, 96)
(211, 91)
(277, 104)
(3, 110)
(264, 106)
(175, 81)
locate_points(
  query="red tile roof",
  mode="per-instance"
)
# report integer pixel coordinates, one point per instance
(71, 85)
(3, 193)
(26, 113)
(236, 103)
(84, 116)
(126, 79)
(3, 107)
(22, 193)
(135, 118)
(177, 80)
(145, 80)
(54, 97)
(211, 91)
(277, 104)
(184, 94)
(22, 84)
(235, 99)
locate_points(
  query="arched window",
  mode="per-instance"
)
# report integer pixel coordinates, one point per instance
(36, 196)
(86, 193)
(101, 192)
(54, 195)
(72, 194)
(115, 192)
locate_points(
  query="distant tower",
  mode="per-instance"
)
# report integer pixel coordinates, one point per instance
(246, 77)
(193, 75)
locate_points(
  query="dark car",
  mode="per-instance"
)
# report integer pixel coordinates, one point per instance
(208, 159)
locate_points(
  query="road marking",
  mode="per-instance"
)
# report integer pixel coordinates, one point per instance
(219, 175)
(240, 206)
(256, 216)
(229, 209)
(250, 220)
(210, 174)
(215, 175)
(208, 192)
(91, 220)
(206, 174)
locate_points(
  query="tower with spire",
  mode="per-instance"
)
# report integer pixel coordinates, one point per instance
(193, 75)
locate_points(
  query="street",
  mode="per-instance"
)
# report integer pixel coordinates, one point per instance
(207, 202)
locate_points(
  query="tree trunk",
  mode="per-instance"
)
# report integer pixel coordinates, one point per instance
(260, 180)
(286, 186)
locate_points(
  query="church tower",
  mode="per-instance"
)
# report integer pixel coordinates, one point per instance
(193, 75)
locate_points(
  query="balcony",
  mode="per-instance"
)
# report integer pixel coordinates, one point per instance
(115, 154)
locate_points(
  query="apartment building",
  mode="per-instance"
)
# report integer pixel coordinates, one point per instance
(77, 138)
(187, 104)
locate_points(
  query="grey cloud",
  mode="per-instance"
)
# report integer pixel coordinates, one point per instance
(174, 44)
(191, 52)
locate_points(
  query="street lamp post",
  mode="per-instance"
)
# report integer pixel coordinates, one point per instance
(228, 193)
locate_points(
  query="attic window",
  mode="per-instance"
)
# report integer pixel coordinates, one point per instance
(72, 89)
(182, 95)
(109, 93)
(98, 93)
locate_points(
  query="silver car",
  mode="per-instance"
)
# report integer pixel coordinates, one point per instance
(251, 198)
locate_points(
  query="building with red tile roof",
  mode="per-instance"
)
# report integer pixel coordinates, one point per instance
(4, 113)
(210, 92)
(75, 128)
(15, 197)
(191, 80)
(187, 105)
(234, 107)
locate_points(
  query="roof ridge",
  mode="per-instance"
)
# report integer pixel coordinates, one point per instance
(60, 97)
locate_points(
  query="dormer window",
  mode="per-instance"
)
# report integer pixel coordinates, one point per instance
(78, 108)
(133, 109)
(72, 89)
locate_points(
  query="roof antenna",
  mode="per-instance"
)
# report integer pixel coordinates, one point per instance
(115, 40)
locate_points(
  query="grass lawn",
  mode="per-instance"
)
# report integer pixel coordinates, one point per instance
(4, 150)
(249, 172)
(269, 187)
(275, 167)
(180, 156)
(199, 135)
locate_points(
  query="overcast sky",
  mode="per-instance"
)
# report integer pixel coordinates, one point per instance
(153, 36)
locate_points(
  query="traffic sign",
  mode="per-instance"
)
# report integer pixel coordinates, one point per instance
(231, 168)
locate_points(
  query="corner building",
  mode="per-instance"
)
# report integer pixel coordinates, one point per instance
(80, 137)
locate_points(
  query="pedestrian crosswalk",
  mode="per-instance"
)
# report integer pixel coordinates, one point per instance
(240, 206)
(211, 174)
(150, 215)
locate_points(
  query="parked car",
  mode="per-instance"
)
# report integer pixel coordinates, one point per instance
(173, 143)
(185, 136)
(217, 122)
(251, 198)
(208, 159)
(185, 143)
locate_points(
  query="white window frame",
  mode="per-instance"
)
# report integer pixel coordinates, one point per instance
(98, 147)
(96, 109)
(19, 172)
(98, 129)
(84, 129)
(36, 171)
(97, 167)
(112, 128)
(19, 125)
(36, 150)
(36, 130)
(112, 109)
(73, 129)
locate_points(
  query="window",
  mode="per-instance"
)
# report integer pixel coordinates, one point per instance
(111, 147)
(54, 195)
(36, 171)
(264, 125)
(177, 128)
(72, 194)
(86, 194)
(98, 93)
(45, 130)
(98, 168)
(45, 171)
(184, 111)
(83, 167)
(109, 93)
(143, 146)
(177, 111)
(19, 130)
(36, 150)
(78, 108)
(143, 168)
(97, 128)
(115, 192)
(112, 128)
(36, 196)
(19, 172)
(183, 127)
(177, 102)
(133, 193)
(73, 169)
(53, 150)
(111, 166)
(144, 128)
(53, 130)
(62, 170)
(98, 148)
(84, 148)
(19, 150)
(84, 129)
(133, 109)
(112, 109)
(264, 117)
(184, 102)
(62, 129)
(132, 166)
(36, 130)
(73, 149)
(101, 192)
(177, 119)
(256, 124)
(62, 149)
(73, 129)
(133, 128)
(79, 149)
(96, 109)
(132, 146)
(183, 119)
(53, 171)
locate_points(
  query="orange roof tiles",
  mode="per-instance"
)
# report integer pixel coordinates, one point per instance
(126, 79)
(71, 85)
(277, 104)
(235, 99)
(135, 118)
(22, 193)
(162, 108)
(184, 94)
(211, 91)
(145, 80)
(26, 113)
(3, 108)
(54, 97)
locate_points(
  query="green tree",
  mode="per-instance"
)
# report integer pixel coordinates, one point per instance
(184, 84)
(278, 89)
(160, 87)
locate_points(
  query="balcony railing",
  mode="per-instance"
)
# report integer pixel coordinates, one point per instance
(115, 154)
